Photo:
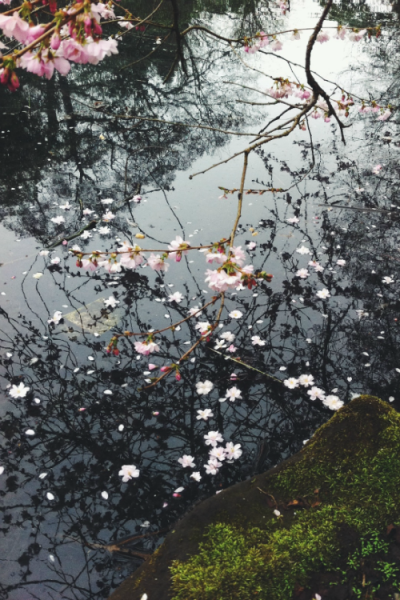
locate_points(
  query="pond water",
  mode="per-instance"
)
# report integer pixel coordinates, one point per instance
(61, 143)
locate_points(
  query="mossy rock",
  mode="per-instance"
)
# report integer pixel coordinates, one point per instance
(336, 534)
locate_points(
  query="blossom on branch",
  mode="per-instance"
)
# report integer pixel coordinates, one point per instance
(147, 347)
(131, 256)
(157, 262)
(179, 247)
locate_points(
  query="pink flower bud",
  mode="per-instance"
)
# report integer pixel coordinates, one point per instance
(178, 376)
(88, 25)
(13, 83)
(97, 30)
(165, 369)
(5, 74)
(55, 41)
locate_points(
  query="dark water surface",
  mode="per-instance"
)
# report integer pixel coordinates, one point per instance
(55, 148)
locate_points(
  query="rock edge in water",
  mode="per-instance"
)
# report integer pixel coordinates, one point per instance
(322, 522)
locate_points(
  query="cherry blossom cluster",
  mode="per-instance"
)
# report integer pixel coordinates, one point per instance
(232, 271)
(217, 453)
(307, 381)
(283, 88)
(73, 36)
(230, 274)
(261, 39)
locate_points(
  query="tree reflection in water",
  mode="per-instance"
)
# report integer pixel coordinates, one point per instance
(63, 547)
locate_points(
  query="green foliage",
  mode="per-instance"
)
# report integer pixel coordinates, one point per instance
(233, 563)
(354, 463)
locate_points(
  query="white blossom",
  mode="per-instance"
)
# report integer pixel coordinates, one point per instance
(127, 472)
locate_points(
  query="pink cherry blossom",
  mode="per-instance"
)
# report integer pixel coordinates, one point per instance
(264, 40)
(341, 33)
(73, 51)
(212, 466)
(127, 24)
(14, 27)
(55, 41)
(131, 257)
(315, 393)
(146, 347)
(186, 461)
(89, 265)
(239, 256)
(157, 263)
(302, 273)
(212, 438)
(384, 116)
(180, 248)
(33, 33)
(276, 46)
(203, 326)
(98, 50)
(323, 37)
(220, 281)
(357, 36)
(233, 451)
(217, 257)
(218, 452)
(102, 10)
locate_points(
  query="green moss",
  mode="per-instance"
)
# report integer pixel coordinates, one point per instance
(346, 485)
